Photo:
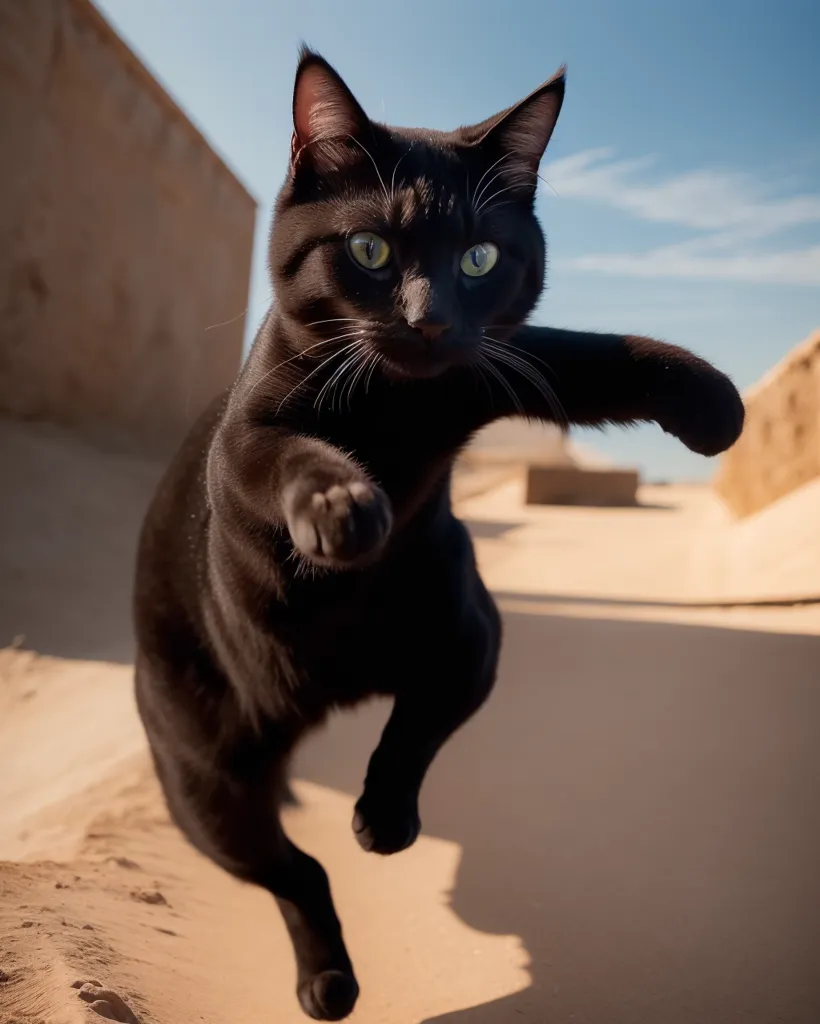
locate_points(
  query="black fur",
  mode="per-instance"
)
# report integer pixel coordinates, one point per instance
(301, 553)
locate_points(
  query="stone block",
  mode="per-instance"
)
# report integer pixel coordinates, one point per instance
(576, 485)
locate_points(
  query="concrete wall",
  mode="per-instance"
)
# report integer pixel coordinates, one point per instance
(779, 449)
(123, 236)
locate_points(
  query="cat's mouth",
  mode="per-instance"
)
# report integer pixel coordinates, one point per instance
(421, 368)
(412, 358)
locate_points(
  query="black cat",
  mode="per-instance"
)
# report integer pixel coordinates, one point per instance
(301, 552)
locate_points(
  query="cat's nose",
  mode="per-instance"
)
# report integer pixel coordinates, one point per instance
(430, 329)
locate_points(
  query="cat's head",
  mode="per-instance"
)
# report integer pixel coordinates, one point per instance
(408, 244)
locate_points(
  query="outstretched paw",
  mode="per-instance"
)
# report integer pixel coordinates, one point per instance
(701, 407)
(340, 527)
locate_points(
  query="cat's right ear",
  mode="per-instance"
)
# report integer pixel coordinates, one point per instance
(326, 115)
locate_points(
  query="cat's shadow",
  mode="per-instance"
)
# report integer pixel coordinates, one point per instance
(635, 803)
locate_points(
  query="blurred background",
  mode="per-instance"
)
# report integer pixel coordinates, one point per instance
(630, 830)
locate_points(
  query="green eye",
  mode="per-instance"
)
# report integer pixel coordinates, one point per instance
(480, 260)
(369, 251)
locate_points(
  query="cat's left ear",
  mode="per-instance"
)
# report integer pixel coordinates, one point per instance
(521, 133)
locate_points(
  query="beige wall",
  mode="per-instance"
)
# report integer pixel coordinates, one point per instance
(779, 449)
(122, 235)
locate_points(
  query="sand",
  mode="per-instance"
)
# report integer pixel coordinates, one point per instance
(628, 833)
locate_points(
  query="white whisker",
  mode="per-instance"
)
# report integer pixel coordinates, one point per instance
(522, 366)
(226, 322)
(347, 370)
(487, 363)
(538, 174)
(522, 172)
(483, 377)
(515, 178)
(476, 197)
(317, 402)
(269, 373)
(501, 191)
(376, 362)
(375, 165)
(339, 320)
(518, 349)
(488, 183)
(357, 376)
(321, 365)
(393, 175)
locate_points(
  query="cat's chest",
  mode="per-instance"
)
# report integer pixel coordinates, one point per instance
(410, 470)
(363, 634)
(408, 447)
(345, 650)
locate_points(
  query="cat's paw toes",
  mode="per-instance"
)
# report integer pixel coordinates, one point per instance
(385, 829)
(342, 526)
(328, 996)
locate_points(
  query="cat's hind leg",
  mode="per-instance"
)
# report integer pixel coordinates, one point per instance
(226, 801)
(234, 821)
(437, 695)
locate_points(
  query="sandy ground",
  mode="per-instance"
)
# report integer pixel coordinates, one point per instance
(628, 833)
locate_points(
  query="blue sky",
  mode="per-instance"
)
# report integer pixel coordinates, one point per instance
(686, 159)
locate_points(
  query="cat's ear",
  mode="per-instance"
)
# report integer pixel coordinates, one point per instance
(518, 136)
(326, 114)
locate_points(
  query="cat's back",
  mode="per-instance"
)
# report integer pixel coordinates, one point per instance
(171, 550)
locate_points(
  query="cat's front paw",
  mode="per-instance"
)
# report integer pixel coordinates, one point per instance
(700, 406)
(341, 526)
(386, 826)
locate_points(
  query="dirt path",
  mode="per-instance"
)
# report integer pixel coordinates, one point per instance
(628, 833)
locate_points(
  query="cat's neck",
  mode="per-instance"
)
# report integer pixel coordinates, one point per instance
(353, 403)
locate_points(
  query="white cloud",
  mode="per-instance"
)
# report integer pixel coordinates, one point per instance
(731, 210)
(796, 266)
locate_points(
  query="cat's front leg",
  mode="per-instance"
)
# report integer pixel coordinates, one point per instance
(336, 515)
(590, 379)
